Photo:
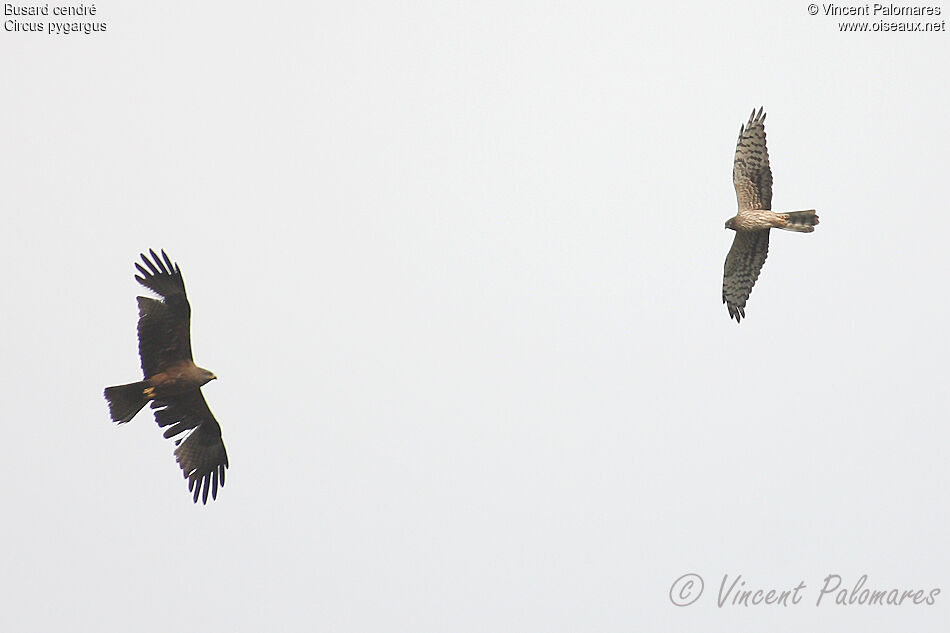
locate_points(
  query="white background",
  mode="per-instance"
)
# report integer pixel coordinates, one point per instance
(458, 269)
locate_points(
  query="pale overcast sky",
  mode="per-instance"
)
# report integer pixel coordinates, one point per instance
(458, 268)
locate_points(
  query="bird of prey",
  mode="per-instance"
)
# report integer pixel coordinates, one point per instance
(752, 178)
(172, 380)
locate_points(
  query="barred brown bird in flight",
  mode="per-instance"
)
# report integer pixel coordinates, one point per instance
(752, 178)
(172, 380)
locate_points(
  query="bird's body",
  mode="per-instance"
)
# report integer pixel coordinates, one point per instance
(177, 379)
(752, 178)
(764, 219)
(172, 381)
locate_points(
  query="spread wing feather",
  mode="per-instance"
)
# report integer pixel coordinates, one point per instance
(743, 264)
(751, 173)
(200, 451)
(164, 325)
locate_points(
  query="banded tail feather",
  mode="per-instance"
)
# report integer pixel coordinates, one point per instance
(800, 221)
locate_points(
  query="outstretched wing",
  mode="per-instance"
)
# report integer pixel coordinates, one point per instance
(751, 174)
(165, 324)
(200, 451)
(743, 263)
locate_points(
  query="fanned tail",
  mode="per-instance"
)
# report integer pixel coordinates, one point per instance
(800, 221)
(126, 400)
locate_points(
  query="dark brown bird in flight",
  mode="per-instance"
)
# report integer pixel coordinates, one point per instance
(172, 380)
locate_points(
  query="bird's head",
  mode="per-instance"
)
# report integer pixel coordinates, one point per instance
(730, 225)
(207, 376)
